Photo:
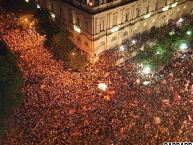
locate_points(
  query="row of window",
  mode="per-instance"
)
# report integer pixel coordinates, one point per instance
(126, 16)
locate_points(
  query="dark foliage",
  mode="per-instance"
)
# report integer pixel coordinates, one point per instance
(19, 5)
(45, 24)
(10, 83)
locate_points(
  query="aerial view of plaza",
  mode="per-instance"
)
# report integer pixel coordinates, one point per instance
(96, 72)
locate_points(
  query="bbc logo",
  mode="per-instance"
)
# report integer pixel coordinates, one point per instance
(178, 143)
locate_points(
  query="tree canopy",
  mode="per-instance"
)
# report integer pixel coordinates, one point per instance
(165, 47)
(64, 49)
(10, 82)
(45, 24)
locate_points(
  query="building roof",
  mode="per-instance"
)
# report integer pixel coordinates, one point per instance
(98, 8)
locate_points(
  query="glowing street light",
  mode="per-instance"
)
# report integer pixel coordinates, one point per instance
(189, 32)
(25, 19)
(142, 48)
(133, 41)
(38, 6)
(172, 32)
(73, 53)
(147, 70)
(158, 52)
(183, 46)
(102, 87)
(121, 48)
(146, 83)
(27, 1)
(180, 20)
(53, 15)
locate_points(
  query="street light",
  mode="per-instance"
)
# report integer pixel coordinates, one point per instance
(121, 48)
(158, 53)
(133, 41)
(189, 32)
(147, 70)
(145, 83)
(52, 15)
(38, 6)
(180, 20)
(102, 87)
(183, 46)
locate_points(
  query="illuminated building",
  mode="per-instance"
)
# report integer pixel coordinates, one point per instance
(97, 25)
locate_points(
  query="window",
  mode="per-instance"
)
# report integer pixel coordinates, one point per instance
(70, 14)
(61, 11)
(102, 1)
(101, 44)
(147, 9)
(79, 40)
(86, 45)
(125, 34)
(114, 39)
(127, 15)
(157, 5)
(52, 6)
(86, 25)
(101, 25)
(165, 3)
(71, 34)
(114, 19)
(77, 21)
(137, 12)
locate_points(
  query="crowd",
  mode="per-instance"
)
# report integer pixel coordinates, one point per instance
(65, 107)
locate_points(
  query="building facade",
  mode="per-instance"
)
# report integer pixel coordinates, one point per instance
(97, 25)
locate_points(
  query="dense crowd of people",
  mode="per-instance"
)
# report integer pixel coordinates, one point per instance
(66, 107)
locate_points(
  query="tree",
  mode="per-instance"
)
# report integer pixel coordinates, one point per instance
(10, 83)
(162, 53)
(64, 49)
(45, 24)
(62, 44)
(77, 60)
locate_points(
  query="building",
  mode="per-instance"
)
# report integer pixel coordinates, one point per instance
(97, 25)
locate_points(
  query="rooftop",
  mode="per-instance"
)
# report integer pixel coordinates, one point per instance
(97, 6)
